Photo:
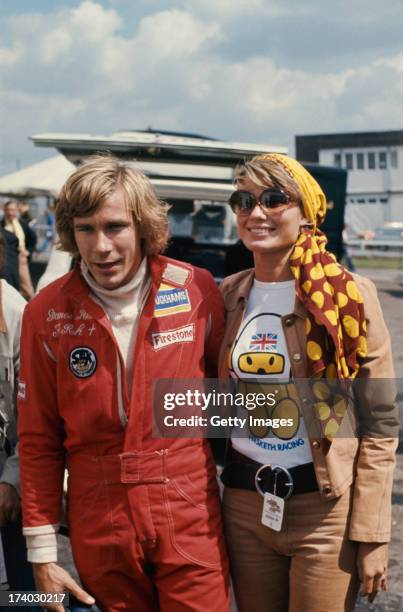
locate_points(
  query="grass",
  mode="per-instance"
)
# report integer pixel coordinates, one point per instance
(391, 263)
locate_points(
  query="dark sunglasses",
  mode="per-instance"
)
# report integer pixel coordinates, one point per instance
(243, 202)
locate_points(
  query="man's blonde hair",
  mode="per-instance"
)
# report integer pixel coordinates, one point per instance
(94, 181)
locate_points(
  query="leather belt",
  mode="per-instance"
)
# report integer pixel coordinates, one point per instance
(240, 473)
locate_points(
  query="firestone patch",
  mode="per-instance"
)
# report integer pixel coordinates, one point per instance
(173, 336)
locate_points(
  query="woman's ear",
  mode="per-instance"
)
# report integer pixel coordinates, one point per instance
(305, 224)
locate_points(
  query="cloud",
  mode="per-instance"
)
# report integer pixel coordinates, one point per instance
(174, 34)
(97, 69)
(10, 56)
(93, 22)
(223, 7)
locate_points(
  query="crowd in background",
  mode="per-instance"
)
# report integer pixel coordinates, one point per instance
(21, 239)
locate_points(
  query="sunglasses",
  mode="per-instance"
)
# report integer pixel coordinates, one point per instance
(243, 202)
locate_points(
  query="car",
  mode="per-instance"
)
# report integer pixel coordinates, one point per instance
(389, 231)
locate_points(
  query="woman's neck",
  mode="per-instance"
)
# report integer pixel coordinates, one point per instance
(272, 267)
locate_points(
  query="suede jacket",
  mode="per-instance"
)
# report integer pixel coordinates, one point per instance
(366, 462)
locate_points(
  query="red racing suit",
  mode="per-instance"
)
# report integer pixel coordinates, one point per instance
(143, 512)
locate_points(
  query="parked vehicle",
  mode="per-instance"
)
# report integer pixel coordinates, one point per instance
(194, 175)
(389, 231)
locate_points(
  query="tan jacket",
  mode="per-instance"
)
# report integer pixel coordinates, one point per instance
(368, 462)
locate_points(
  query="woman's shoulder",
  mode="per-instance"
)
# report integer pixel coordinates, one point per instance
(235, 281)
(365, 286)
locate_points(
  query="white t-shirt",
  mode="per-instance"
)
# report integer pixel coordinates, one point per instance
(260, 362)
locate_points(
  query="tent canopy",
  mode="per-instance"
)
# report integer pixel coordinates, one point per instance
(44, 178)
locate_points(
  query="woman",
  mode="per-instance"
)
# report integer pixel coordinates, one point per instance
(13, 225)
(298, 324)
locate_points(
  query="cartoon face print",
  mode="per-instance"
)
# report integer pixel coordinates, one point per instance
(260, 350)
(259, 358)
(261, 363)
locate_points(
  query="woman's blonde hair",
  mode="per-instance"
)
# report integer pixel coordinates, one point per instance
(94, 181)
(268, 173)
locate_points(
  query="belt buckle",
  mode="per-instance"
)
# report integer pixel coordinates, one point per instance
(276, 469)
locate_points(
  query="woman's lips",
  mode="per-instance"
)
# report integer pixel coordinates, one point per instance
(261, 231)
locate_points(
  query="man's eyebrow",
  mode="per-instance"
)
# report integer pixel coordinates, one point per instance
(81, 223)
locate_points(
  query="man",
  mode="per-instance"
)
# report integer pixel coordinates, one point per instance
(19, 571)
(27, 222)
(144, 514)
(12, 224)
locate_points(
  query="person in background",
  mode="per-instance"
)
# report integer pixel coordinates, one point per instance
(9, 269)
(50, 232)
(144, 513)
(307, 501)
(345, 255)
(11, 223)
(25, 212)
(19, 571)
(27, 223)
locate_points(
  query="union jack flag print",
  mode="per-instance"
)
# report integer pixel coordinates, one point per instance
(263, 342)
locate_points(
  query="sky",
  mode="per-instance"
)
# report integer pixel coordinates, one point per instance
(241, 70)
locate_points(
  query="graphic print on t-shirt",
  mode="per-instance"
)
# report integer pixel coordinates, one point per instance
(259, 349)
(260, 355)
(259, 362)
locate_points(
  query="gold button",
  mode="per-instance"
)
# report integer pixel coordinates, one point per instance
(297, 356)
(316, 444)
(326, 490)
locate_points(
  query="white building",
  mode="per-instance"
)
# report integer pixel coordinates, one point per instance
(374, 161)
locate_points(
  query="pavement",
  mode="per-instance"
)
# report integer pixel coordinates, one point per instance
(390, 289)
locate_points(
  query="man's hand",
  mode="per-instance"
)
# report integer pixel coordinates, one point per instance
(51, 578)
(372, 562)
(9, 504)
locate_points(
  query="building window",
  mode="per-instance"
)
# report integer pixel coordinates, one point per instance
(383, 200)
(360, 161)
(382, 160)
(372, 201)
(337, 160)
(371, 161)
(361, 201)
(393, 159)
(349, 161)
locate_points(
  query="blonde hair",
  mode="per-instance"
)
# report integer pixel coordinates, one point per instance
(94, 181)
(268, 173)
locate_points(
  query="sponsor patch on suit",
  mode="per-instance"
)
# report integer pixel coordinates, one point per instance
(82, 361)
(22, 389)
(173, 336)
(171, 300)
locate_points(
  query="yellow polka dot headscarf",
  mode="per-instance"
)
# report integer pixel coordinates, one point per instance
(335, 326)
